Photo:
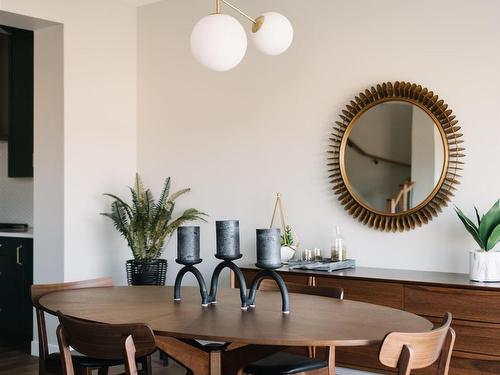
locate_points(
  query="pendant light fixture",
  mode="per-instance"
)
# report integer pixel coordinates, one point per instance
(219, 42)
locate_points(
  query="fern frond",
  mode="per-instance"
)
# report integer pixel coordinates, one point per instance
(145, 223)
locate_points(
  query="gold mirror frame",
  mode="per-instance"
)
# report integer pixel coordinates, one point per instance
(448, 129)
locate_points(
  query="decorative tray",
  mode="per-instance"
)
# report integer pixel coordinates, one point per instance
(322, 265)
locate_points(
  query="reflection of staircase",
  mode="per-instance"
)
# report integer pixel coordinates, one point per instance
(401, 202)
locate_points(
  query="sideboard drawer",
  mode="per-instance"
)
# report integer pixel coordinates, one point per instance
(467, 364)
(475, 337)
(379, 293)
(289, 278)
(466, 304)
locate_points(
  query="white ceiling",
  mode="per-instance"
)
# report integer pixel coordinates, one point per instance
(140, 2)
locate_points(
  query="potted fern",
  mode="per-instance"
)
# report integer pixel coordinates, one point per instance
(147, 225)
(485, 261)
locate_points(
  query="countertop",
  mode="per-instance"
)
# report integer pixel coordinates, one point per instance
(16, 234)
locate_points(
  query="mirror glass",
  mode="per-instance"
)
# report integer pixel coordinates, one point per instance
(394, 156)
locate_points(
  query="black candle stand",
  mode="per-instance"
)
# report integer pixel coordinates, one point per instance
(189, 266)
(268, 273)
(227, 262)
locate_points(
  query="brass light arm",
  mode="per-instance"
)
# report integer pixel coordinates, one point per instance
(218, 7)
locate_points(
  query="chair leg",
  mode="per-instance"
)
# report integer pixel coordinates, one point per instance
(103, 371)
(163, 358)
(311, 351)
(85, 371)
(146, 365)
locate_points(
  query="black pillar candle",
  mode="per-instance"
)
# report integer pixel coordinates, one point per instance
(188, 245)
(228, 239)
(269, 248)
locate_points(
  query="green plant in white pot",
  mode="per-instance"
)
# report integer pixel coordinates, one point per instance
(288, 246)
(147, 225)
(485, 261)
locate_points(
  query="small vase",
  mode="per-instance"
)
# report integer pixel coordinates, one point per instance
(287, 253)
(484, 266)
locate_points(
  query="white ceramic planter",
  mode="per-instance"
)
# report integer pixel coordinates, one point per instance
(484, 266)
(287, 253)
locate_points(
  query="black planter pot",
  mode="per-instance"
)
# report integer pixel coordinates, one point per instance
(146, 273)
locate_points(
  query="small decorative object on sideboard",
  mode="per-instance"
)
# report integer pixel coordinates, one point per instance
(307, 255)
(228, 249)
(322, 265)
(339, 251)
(289, 239)
(188, 254)
(147, 225)
(484, 262)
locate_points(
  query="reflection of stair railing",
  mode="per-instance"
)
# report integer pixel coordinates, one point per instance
(375, 158)
(401, 202)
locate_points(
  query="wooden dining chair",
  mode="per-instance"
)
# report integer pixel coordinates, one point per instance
(283, 363)
(107, 342)
(412, 351)
(49, 363)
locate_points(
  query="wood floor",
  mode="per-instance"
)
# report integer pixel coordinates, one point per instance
(14, 362)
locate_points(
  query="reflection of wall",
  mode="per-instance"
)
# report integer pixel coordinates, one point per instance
(426, 155)
(438, 156)
(385, 131)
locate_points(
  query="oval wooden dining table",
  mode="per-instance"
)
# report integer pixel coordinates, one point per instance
(250, 334)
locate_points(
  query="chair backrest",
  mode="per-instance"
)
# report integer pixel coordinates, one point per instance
(39, 290)
(104, 341)
(411, 351)
(270, 285)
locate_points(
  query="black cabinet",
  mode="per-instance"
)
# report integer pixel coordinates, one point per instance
(17, 98)
(21, 104)
(16, 277)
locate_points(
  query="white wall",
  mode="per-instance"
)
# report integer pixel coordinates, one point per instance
(237, 138)
(16, 194)
(99, 126)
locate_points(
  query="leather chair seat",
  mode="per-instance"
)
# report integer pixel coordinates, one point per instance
(283, 363)
(54, 362)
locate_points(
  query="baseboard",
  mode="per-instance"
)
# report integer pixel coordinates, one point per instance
(34, 348)
(348, 371)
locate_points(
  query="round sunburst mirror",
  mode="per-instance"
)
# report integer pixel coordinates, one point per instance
(395, 156)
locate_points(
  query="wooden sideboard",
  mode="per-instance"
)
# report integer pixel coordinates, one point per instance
(475, 308)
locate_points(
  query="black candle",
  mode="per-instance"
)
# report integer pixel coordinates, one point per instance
(188, 245)
(269, 248)
(228, 239)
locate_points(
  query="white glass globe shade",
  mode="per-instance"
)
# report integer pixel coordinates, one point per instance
(219, 42)
(275, 35)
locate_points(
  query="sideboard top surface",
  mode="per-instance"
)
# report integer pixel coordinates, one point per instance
(440, 279)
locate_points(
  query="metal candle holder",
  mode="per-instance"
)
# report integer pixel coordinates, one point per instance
(266, 274)
(269, 259)
(228, 249)
(188, 254)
